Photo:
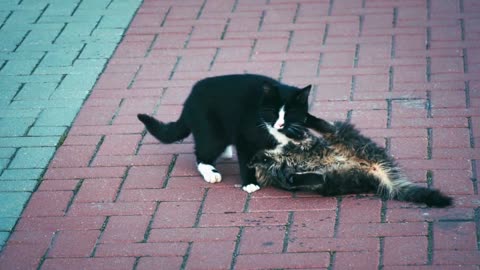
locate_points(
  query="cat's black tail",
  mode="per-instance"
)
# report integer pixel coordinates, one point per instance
(410, 192)
(165, 132)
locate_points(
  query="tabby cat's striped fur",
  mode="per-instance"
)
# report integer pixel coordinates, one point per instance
(342, 161)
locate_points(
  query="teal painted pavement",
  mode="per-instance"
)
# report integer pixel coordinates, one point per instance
(51, 53)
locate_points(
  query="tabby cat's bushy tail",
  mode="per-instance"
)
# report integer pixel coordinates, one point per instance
(165, 132)
(410, 192)
(394, 186)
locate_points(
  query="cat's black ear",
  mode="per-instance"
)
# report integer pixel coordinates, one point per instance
(303, 94)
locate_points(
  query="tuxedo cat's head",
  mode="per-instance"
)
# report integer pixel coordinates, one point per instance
(285, 108)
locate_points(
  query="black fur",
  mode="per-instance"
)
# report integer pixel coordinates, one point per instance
(342, 162)
(166, 133)
(234, 110)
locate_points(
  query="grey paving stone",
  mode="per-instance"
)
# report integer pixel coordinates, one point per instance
(56, 117)
(7, 152)
(6, 223)
(28, 141)
(19, 67)
(98, 50)
(73, 82)
(43, 35)
(59, 58)
(21, 174)
(13, 203)
(47, 131)
(15, 126)
(112, 21)
(51, 103)
(108, 34)
(3, 163)
(32, 78)
(3, 237)
(22, 17)
(21, 55)
(10, 39)
(32, 158)
(51, 54)
(19, 185)
(35, 91)
(26, 112)
(61, 8)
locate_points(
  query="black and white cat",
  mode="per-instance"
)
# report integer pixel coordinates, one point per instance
(243, 110)
(342, 161)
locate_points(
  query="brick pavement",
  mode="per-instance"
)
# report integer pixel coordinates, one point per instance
(406, 72)
(51, 53)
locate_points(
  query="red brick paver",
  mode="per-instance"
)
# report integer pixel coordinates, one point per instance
(405, 72)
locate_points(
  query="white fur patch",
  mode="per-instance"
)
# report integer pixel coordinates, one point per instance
(281, 119)
(251, 188)
(280, 137)
(228, 153)
(209, 173)
(382, 174)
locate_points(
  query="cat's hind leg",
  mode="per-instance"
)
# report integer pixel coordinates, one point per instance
(209, 173)
(306, 179)
(207, 150)
(335, 183)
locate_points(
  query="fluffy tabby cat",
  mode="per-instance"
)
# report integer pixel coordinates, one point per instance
(242, 110)
(342, 162)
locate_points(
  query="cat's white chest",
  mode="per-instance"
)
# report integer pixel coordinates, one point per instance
(281, 138)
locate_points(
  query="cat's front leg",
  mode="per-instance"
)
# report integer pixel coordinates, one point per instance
(245, 155)
(319, 124)
(249, 182)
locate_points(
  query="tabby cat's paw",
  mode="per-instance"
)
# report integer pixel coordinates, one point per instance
(251, 188)
(209, 173)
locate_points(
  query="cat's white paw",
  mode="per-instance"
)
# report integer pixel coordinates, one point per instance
(251, 188)
(213, 177)
(228, 153)
(209, 173)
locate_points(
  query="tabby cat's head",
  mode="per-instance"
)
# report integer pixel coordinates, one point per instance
(262, 159)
